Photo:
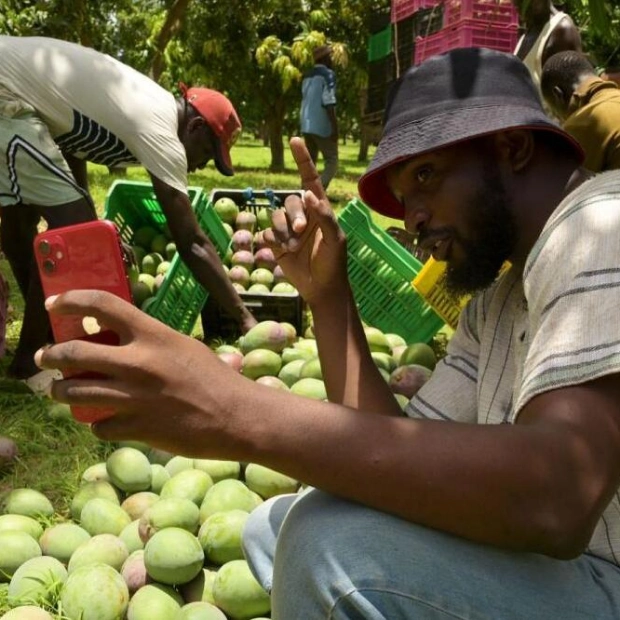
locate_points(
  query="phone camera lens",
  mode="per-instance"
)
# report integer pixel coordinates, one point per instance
(45, 248)
(49, 266)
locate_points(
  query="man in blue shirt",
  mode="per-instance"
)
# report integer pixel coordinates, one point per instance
(318, 112)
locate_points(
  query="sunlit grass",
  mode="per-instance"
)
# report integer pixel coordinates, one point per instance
(54, 450)
(252, 160)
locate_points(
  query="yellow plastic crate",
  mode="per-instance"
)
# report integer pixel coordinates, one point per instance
(429, 283)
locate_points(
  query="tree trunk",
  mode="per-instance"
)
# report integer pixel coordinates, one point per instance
(82, 23)
(264, 131)
(276, 145)
(275, 126)
(174, 18)
(362, 155)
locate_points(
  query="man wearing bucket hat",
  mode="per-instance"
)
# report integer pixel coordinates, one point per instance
(496, 496)
(63, 105)
(319, 125)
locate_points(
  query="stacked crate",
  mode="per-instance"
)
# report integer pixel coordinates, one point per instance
(471, 23)
(413, 20)
(381, 63)
(401, 9)
(419, 29)
(386, 63)
(404, 42)
(380, 44)
(381, 74)
(428, 21)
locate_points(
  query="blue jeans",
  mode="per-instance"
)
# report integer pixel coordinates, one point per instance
(330, 558)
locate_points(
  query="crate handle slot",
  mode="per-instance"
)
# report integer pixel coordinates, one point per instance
(254, 304)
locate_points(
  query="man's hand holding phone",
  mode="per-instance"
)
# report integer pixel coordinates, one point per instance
(83, 256)
(163, 387)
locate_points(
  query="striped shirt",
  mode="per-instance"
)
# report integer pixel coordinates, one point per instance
(95, 107)
(554, 325)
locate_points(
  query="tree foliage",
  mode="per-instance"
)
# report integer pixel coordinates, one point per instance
(255, 52)
(599, 22)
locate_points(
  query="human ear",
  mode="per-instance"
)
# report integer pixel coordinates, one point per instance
(515, 147)
(559, 100)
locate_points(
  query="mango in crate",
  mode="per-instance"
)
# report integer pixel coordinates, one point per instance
(159, 243)
(171, 250)
(263, 219)
(144, 236)
(150, 263)
(227, 209)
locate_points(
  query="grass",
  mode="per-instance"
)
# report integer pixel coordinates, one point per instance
(251, 161)
(55, 450)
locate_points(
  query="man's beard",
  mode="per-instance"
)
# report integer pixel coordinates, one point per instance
(495, 237)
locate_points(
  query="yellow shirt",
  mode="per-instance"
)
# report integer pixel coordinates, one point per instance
(594, 121)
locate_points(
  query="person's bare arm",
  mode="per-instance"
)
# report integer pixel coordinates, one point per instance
(198, 252)
(565, 37)
(311, 249)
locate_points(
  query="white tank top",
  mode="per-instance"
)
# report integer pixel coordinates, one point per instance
(533, 59)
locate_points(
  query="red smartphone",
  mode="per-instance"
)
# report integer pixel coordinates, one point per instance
(82, 256)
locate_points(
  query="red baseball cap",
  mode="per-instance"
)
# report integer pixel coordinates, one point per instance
(222, 117)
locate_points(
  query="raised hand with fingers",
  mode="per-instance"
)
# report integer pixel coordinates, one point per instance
(305, 237)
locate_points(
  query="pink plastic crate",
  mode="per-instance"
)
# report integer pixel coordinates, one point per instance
(497, 12)
(467, 33)
(426, 47)
(402, 9)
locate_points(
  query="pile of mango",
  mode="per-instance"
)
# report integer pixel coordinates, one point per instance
(151, 536)
(273, 354)
(156, 536)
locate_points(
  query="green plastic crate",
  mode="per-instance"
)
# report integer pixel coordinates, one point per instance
(381, 272)
(179, 300)
(380, 44)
